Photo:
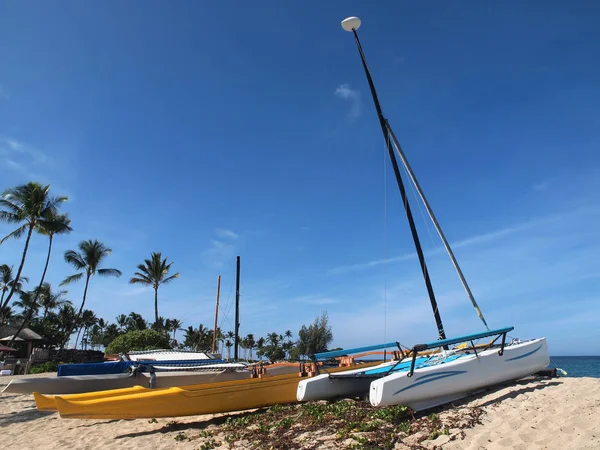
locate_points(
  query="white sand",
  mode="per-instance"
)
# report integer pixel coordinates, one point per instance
(559, 413)
(549, 414)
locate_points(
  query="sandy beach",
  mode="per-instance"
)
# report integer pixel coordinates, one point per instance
(561, 413)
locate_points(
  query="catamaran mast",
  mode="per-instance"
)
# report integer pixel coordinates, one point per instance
(351, 24)
(237, 310)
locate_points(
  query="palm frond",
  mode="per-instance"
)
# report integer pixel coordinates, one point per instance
(71, 279)
(109, 272)
(11, 207)
(16, 233)
(75, 259)
(171, 278)
(54, 224)
(52, 204)
(140, 278)
(9, 217)
(144, 269)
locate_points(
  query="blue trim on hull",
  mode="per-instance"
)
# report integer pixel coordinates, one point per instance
(524, 355)
(431, 377)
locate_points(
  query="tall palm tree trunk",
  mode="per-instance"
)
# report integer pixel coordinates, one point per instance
(76, 319)
(18, 276)
(29, 315)
(156, 304)
(37, 291)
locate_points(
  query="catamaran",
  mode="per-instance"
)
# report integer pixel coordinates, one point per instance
(420, 381)
(207, 398)
(427, 375)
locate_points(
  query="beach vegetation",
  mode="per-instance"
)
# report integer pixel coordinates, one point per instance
(138, 340)
(181, 436)
(316, 337)
(45, 367)
(365, 426)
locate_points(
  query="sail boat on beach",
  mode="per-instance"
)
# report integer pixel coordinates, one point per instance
(417, 380)
(426, 375)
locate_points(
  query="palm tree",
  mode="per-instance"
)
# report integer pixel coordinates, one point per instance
(6, 283)
(28, 301)
(66, 320)
(160, 324)
(87, 261)
(251, 343)
(49, 300)
(135, 321)
(228, 344)
(153, 273)
(54, 224)
(121, 322)
(175, 325)
(31, 206)
(88, 319)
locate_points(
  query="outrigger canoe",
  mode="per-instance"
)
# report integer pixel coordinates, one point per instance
(208, 398)
(161, 374)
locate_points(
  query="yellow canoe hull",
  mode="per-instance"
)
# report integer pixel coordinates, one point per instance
(209, 398)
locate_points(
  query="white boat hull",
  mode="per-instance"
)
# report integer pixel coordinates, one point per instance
(324, 387)
(166, 355)
(443, 383)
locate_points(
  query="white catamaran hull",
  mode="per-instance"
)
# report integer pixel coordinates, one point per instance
(436, 385)
(324, 387)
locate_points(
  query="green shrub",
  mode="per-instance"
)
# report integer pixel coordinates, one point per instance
(48, 366)
(138, 340)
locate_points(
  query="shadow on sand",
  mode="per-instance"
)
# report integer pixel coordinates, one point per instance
(527, 385)
(523, 386)
(25, 415)
(199, 425)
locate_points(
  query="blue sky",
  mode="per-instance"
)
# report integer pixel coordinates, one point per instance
(207, 130)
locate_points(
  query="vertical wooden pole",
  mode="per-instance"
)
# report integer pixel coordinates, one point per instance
(214, 340)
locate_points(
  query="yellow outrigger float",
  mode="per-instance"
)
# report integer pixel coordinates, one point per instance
(209, 398)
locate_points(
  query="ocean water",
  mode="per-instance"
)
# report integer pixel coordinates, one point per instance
(577, 366)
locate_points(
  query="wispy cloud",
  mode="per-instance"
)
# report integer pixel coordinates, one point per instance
(130, 291)
(226, 234)
(315, 300)
(21, 157)
(473, 240)
(345, 92)
(222, 248)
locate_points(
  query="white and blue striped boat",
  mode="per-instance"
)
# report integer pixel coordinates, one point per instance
(425, 381)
